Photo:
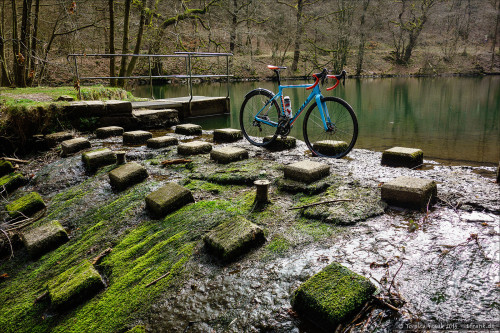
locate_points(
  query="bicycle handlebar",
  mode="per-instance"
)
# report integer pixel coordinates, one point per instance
(324, 74)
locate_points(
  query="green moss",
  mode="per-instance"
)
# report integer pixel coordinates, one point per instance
(5, 167)
(278, 245)
(26, 205)
(12, 181)
(137, 329)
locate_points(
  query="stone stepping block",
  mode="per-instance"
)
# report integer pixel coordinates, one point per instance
(292, 186)
(227, 135)
(26, 205)
(402, 157)
(233, 237)
(157, 118)
(136, 137)
(44, 238)
(280, 143)
(52, 140)
(12, 182)
(109, 131)
(127, 175)
(226, 155)
(5, 167)
(98, 158)
(74, 145)
(306, 171)
(75, 285)
(118, 107)
(194, 148)
(188, 129)
(167, 199)
(162, 141)
(329, 147)
(410, 192)
(332, 296)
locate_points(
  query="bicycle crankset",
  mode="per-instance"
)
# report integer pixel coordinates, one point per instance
(284, 127)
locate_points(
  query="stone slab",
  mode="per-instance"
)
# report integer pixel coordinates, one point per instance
(410, 192)
(194, 148)
(162, 118)
(228, 154)
(332, 296)
(128, 122)
(227, 135)
(75, 285)
(233, 237)
(292, 186)
(108, 131)
(167, 199)
(5, 167)
(98, 158)
(12, 182)
(136, 137)
(44, 238)
(118, 107)
(26, 205)
(127, 175)
(162, 141)
(188, 129)
(330, 147)
(53, 139)
(72, 146)
(306, 171)
(280, 143)
(402, 157)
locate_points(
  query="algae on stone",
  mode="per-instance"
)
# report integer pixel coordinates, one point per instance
(97, 158)
(402, 157)
(168, 199)
(127, 175)
(5, 167)
(44, 238)
(26, 205)
(11, 182)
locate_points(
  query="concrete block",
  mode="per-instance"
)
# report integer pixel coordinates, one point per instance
(292, 186)
(228, 154)
(332, 296)
(53, 139)
(118, 107)
(167, 199)
(106, 132)
(72, 146)
(44, 238)
(98, 158)
(5, 167)
(306, 171)
(127, 175)
(227, 135)
(188, 129)
(402, 157)
(329, 147)
(280, 144)
(162, 141)
(410, 192)
(194, 148)
(136, 137)
(162, 118)
(26, 205)
(233, 237)
(12, 182)
(128, 122)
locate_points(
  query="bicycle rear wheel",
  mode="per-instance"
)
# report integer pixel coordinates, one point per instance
(341, 133)
(259, 103)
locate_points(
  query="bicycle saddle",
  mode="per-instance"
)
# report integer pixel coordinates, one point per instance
(275, 67)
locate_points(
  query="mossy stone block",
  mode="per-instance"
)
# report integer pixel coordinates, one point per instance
(226, 155)
(108, 131)
(233, 237)
(53, 139)
(161, 142)
(280, 143)
(332, 296)
(329, 147)
(227, 135)
(168, 199)
(402, 157)
(188, 129)
(410, 192)
(292, 186)
(44, 238)
(306, 171)
(12, 182)
(26, 205)
(75, 145)
(194, 148)
(75, 285)
(5, 167)
(127, 175)
(98, 158)
(136, 137)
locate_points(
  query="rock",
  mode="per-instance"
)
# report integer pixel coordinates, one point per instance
(188, 129)
(74, 145)
(26, 205)
(306, 171)
(194, 148)
(118, 107)
(52, 140)
(329, 147)
(227, 135)
(226, 155)
(98, 158)
(65, 98)
(75, 285)
(5, 167)
(12, 182)
(162, 141)
(402, 157)
(162, 118)
(233, 237)
(136, 137)
(293, 186)
(127, 175)
(44, 238)
(106, 132)
(280, 144)
(168, 199)
(410, 192)
(332, 296)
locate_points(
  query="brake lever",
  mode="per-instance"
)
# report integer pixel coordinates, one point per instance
(344, 74)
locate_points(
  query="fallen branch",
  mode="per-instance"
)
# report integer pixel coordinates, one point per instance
(41, 297)
(15, 160)
(321, 203)
(176, 161)
(384, 303)
(10, 243)
(101, 255)
(158, 279)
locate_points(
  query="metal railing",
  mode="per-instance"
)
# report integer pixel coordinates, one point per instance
(188, 56)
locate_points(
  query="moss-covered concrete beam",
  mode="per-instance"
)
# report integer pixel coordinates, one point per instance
(44, 238)
(26, 205)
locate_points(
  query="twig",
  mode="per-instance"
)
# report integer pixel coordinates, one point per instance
(158, 279)
(392, 307)
(15, 160)
(392, 281)
(41, 297)
(321, 203)
(176, 161)
(10, 244)
(101, 255)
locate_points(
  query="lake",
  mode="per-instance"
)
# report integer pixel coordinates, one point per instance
(454, 120)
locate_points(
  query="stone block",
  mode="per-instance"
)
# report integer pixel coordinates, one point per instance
(161, 118)
(94, 109)
(410, 192)
(292, 186)
(188, 129)
(162, 141)
(127, 175)
(228, 154)
(98, 158)
(5, 167)
(44, 238)
(136, 137)
(167, 199)
(75, 285)
(306, 171)
(53, 139)
(402, 157)
(233, 237)
(332, 296)
(280, 143)
(194, 148)
(72, 146)
(26, 205)
(118, 107)
(329, 147)
(227, 135)
(12, 182)
(106, 132)
(128, 122)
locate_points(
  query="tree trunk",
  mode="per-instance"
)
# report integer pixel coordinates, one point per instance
(112, 60)
(5, 81)
(234, 25)
(298, 35)
(361, 49)
(137, 48)
(25, 43)
(33, 54)
(123, 63)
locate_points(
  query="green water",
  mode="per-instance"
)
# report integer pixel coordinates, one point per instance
(453, 119)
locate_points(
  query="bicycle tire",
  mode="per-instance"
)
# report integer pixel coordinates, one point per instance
(259, 133)
(339, 139)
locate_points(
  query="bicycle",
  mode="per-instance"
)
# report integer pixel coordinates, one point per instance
(329, 132)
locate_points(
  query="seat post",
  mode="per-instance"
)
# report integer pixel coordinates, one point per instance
(277, 71)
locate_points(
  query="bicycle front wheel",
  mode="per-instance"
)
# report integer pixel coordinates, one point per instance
(257, 112)
(333, 137)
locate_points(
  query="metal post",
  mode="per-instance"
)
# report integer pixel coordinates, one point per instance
(190, 84)
(150, 78)
(77, 80)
